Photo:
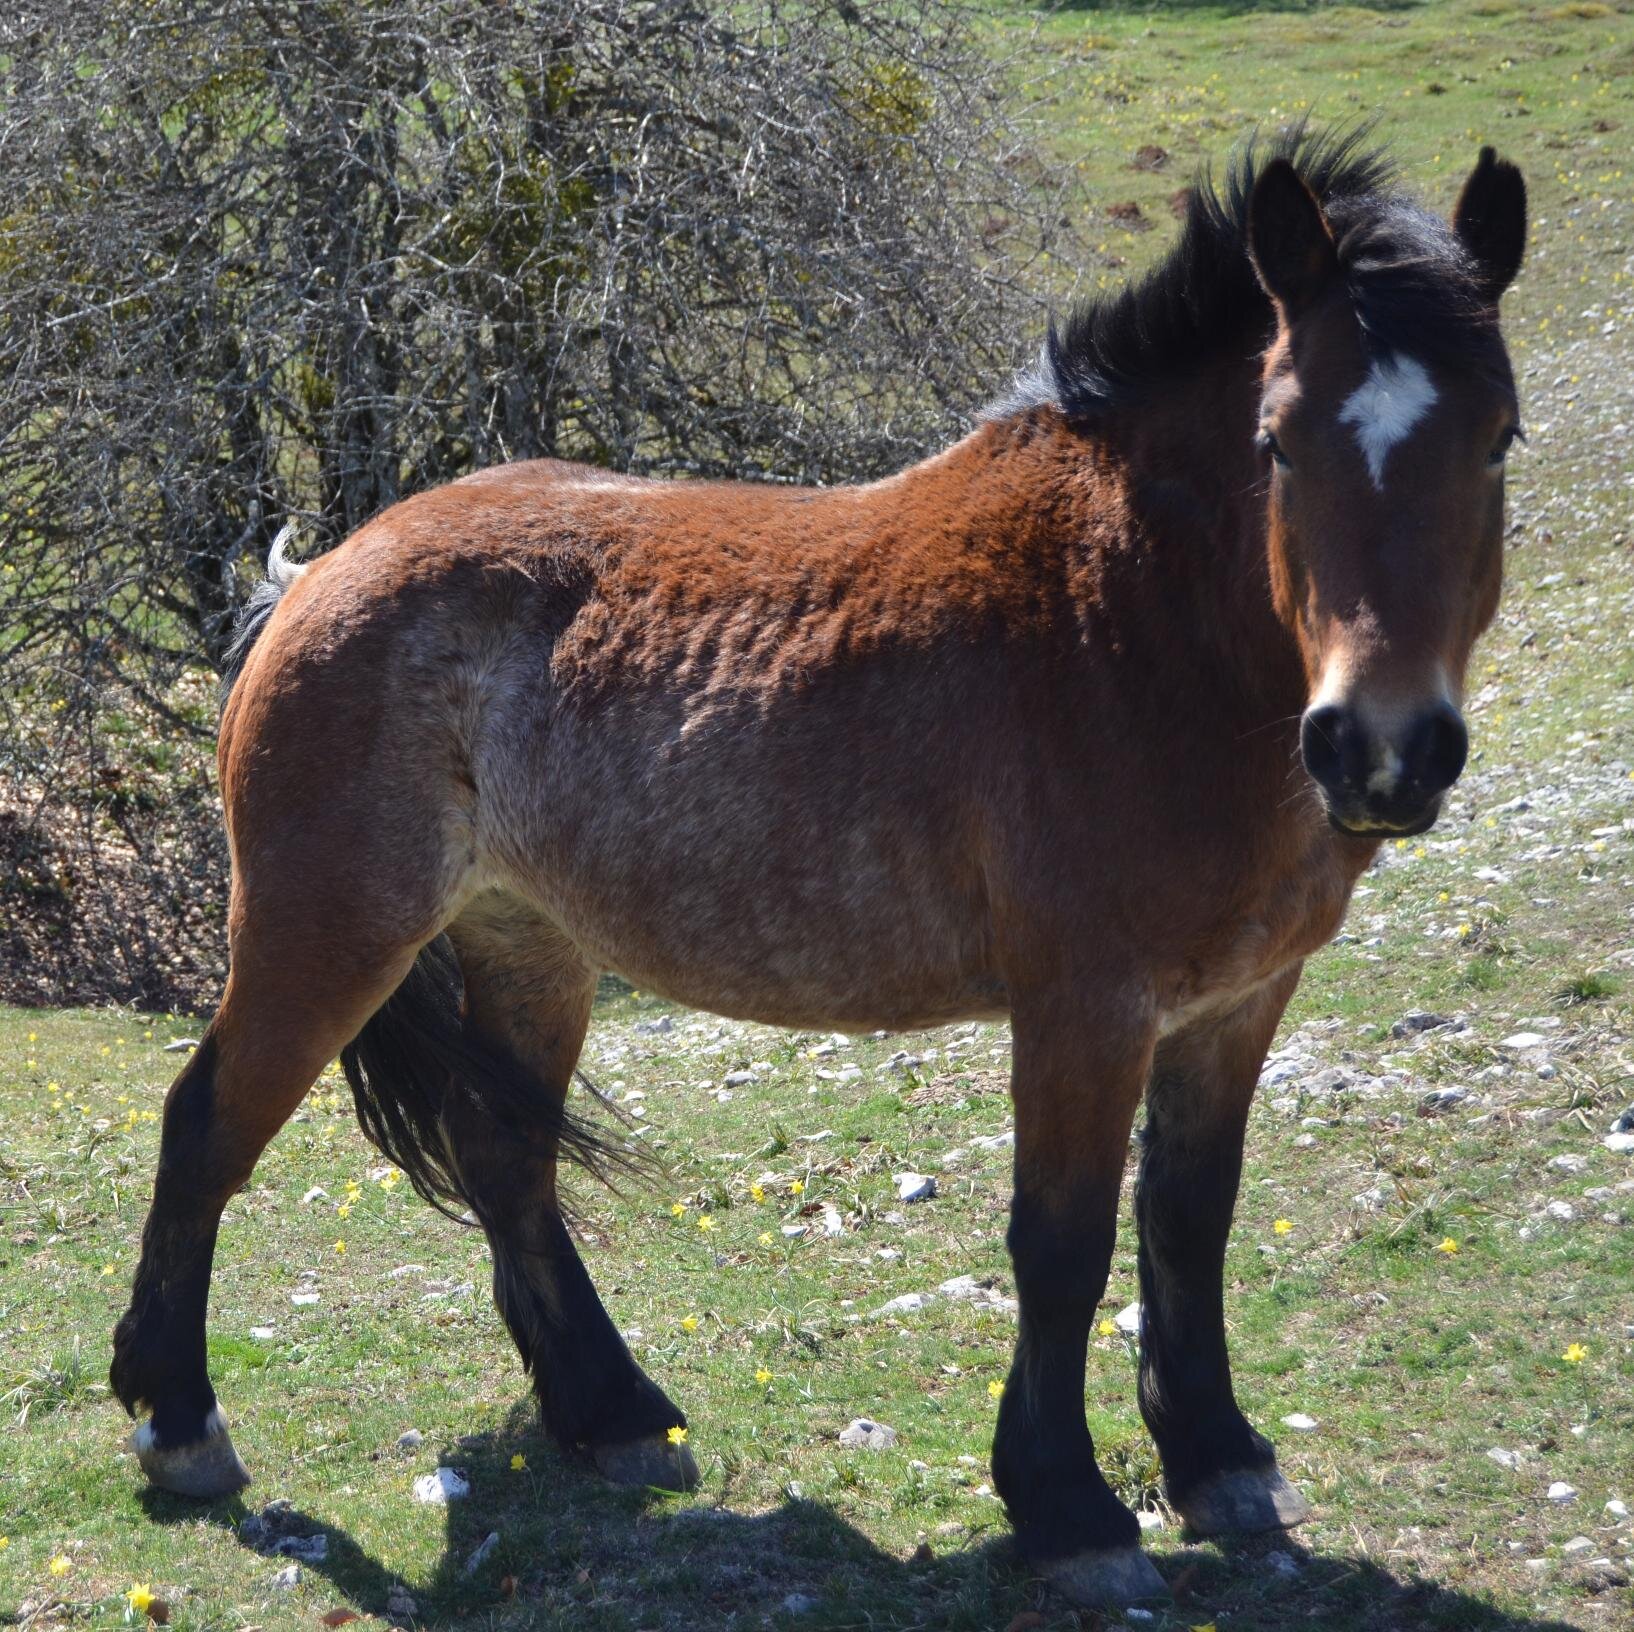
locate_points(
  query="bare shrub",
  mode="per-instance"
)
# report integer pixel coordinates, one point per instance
(300, 258)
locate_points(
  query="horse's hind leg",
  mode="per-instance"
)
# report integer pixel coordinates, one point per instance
(280, 1020)
(528, 995)
(1219, 1473)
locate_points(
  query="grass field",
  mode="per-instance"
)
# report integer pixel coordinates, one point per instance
(1430, 1224)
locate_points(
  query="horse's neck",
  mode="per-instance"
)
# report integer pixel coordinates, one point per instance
(1169, 515)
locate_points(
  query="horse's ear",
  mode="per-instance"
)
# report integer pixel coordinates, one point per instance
(1490, 219)
(1289, 240)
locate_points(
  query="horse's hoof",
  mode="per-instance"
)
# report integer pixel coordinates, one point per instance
(651, 1461)
(1245, 1500)
(1109, 1578)
(207, 1467)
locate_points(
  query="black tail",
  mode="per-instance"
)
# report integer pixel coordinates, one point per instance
(417, 1065)
(263, 601)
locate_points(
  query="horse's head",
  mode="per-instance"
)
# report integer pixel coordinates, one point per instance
(1388, 407)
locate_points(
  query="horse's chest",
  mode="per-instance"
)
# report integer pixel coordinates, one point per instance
(1256, 935)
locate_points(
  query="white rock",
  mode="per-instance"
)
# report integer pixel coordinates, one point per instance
(994, 1141)
(1522, 1039)
(303, 1299)
(888, 1255)
(910, 1303)
(738, 1079)
(1301, 1423)
(288, 1578)
(799, 1603)
(915, 1187)
(863, 1434)
(316, 1193)
(967, 1289)
(406, 1269)
(1578, 1544)
(263, 1334)
(1622, 1143)
(1562, 1210)
(1282, 1563)
(792, 1230)
(1568, 1164)
(410, 1440)
(833, 1224)
(1561, 1492)
(1149, 1521)
(1127, 1320)
(439, 1488)
(1504, 1459)
(1618, 1510)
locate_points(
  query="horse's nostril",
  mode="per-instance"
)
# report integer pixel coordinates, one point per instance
(1325, 734)
(1436, 750)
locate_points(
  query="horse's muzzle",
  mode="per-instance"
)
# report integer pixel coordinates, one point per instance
(1383, 783)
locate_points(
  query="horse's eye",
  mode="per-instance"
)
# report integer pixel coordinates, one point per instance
(1267, 443)
(1510, 436)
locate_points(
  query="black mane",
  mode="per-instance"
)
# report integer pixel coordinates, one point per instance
(1410, 280)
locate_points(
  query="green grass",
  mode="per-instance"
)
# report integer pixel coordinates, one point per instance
(1413, 1360)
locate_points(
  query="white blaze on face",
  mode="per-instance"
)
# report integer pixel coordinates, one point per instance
(1385, 407)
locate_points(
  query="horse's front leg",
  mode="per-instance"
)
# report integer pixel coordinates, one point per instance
(1220, 1474)
(1077, 1080)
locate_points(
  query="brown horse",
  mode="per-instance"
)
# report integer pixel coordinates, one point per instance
(1106, 707)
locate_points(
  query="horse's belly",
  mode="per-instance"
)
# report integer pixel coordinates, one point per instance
(790, 903)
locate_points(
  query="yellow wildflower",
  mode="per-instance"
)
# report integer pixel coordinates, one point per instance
(1108, 1328)
(798, 1188)
(705, 1223)
(1575, 1354)
(340, 1247)
(678, 1211)
(677, 1435)
(140, 1597)
(757, 1192)
(1283, 1226)
(995, 1389)
(61, 1564)
(1448, 1246)
(689, 1323)
(343, 1210)
(762, 1376)
(388, 1181)
(765, 1238)
(518, 1462)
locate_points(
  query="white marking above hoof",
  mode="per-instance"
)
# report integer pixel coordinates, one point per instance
(1385, 407)
(206, 1468)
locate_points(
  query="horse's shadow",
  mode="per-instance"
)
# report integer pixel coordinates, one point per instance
(623, 1559)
